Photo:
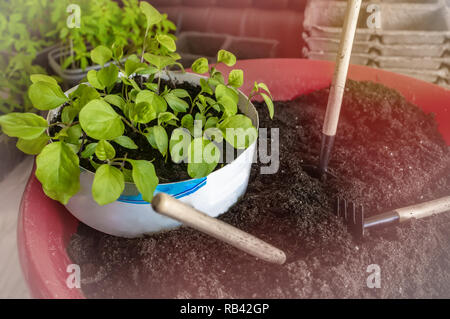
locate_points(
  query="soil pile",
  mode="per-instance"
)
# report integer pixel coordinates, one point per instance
(388, 154)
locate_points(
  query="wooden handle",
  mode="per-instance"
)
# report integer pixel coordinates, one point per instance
(173, 208)
(340, 72)
(426, 209)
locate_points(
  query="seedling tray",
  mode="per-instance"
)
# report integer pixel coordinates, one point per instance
(381, 49)
(415, 63)
(408, 22)
(437, 73)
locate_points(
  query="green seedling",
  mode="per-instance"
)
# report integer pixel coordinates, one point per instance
(98, 116)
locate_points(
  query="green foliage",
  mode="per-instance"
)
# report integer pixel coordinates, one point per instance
(151, 14)
(58, 171)
(176, 104)
(157, 102)
(226, 57)
(99, 120)
(33, 146)
(101, 55)
(144, 176)
(25, 29)
(262, 90)
(105, 151)
(108, 184)
(200, 66)
(108, 76)
(105, 24)
(117, 106)
(27, 126)
(236, 78)
(89, 150)
(239, 131)
(158, 139)
(126, 142)
(46, 95)
(115, 100)
(203, 157)
(167, 42)
(93, 80)
(35, 78)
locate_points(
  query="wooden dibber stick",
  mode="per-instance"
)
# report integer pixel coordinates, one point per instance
(168, 206)
(338, 84)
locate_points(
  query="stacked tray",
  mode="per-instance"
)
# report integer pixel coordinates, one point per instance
(414, 38)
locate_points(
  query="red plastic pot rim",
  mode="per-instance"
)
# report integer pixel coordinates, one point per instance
(45, 227)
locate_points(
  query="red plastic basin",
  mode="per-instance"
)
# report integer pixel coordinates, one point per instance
(45, 226)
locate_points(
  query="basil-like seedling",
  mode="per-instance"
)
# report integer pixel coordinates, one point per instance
(122, 114)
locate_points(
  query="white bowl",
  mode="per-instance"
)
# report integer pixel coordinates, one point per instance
(130, 216)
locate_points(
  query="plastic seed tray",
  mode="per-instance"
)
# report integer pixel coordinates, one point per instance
(405, 22)
(413, 63)
(426, 69)
(413, 38)
(378, 48)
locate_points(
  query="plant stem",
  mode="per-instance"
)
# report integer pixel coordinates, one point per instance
(61, 123)
(123, 162)
(159, 81)
(82, 143)
(56, 124)
(249, 98)
(170, 78)
(130, 125)
(122, 159)
(143, 45)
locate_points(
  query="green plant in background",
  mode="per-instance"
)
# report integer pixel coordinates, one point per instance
(103, 22)
(25, 26)
(119, 105)
(29, 26)
(24, 31)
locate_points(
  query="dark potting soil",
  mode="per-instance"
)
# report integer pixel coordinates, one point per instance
(388, 154)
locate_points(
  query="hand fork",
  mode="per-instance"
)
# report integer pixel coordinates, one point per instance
(353, 214)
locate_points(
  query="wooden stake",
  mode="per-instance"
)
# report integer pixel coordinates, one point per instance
(342, 63)
(168, 206)
(338, 85)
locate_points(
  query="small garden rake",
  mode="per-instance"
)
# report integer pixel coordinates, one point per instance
(353, 214)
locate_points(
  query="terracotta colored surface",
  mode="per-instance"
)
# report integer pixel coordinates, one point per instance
(44, 229)
(281, 21)
(45, 226)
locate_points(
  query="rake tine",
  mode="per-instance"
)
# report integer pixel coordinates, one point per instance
(337, 208)
(359, 222)
(345, 210)
(352, 215)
